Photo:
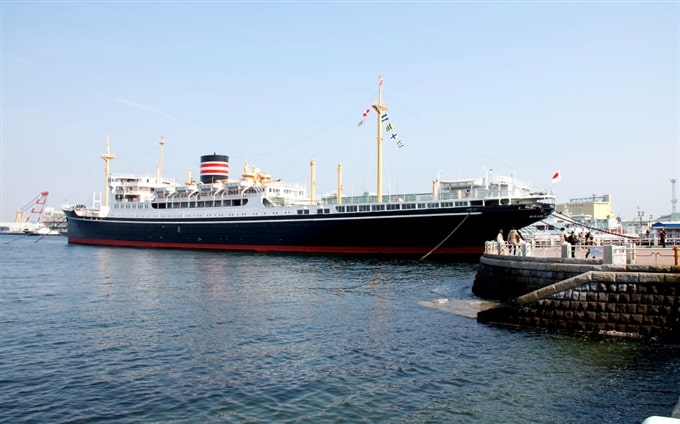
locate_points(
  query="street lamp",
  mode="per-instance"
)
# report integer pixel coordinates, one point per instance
(640, 215)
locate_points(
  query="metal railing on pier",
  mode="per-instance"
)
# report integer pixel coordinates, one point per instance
(618, 254)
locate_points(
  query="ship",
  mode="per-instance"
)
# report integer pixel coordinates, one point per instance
(259, 213)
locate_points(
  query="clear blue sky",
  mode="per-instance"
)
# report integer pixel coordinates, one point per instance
(524, 88)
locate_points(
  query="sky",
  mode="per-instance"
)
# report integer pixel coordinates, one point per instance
(589, 89)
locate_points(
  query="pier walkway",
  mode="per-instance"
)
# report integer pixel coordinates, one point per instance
(612, 254)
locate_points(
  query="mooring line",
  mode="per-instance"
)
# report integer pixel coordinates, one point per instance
(601, 230)
(16, 238)
(446, 238)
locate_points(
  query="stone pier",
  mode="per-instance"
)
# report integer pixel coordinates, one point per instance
(581, 296)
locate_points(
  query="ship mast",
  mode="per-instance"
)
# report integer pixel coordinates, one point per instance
(159, 172)
(380, 109)
(108, 157)
(312, 164)
(339, 184)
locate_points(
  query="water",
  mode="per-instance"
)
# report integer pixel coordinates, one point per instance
(94, 334)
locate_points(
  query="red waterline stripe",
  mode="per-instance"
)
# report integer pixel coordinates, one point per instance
(381, 250)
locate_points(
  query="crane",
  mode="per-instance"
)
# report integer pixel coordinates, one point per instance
(36, 206)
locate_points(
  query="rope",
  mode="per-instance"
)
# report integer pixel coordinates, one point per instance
(16, 238)
(445, 238)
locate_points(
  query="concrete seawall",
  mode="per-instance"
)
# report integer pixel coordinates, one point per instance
(581, 295)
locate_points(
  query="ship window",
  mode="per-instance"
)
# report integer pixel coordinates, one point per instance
(422, 205)
(433, 205)
(447, 204)
(461, 203)
(408, 206)
(393, 207)
(351, 208)
(364, 208)
(340, 208)
(378, 207)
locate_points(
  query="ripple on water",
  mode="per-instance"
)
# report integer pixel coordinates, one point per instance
(176, 336)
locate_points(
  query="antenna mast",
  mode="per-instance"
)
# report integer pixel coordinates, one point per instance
(380, 109)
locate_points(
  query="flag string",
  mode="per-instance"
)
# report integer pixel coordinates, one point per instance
(388, 127)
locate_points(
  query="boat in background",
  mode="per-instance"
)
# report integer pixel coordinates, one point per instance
(259, 213)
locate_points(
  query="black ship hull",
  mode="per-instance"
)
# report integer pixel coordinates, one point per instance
(441, 232)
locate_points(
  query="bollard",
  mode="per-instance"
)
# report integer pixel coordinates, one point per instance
(676, 254)
(630, 254)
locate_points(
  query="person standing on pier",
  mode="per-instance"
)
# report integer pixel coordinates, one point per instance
(563, 236)
(513, 240)
(572, 240)
(662, 237)
(501, 242)
(589, 242)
